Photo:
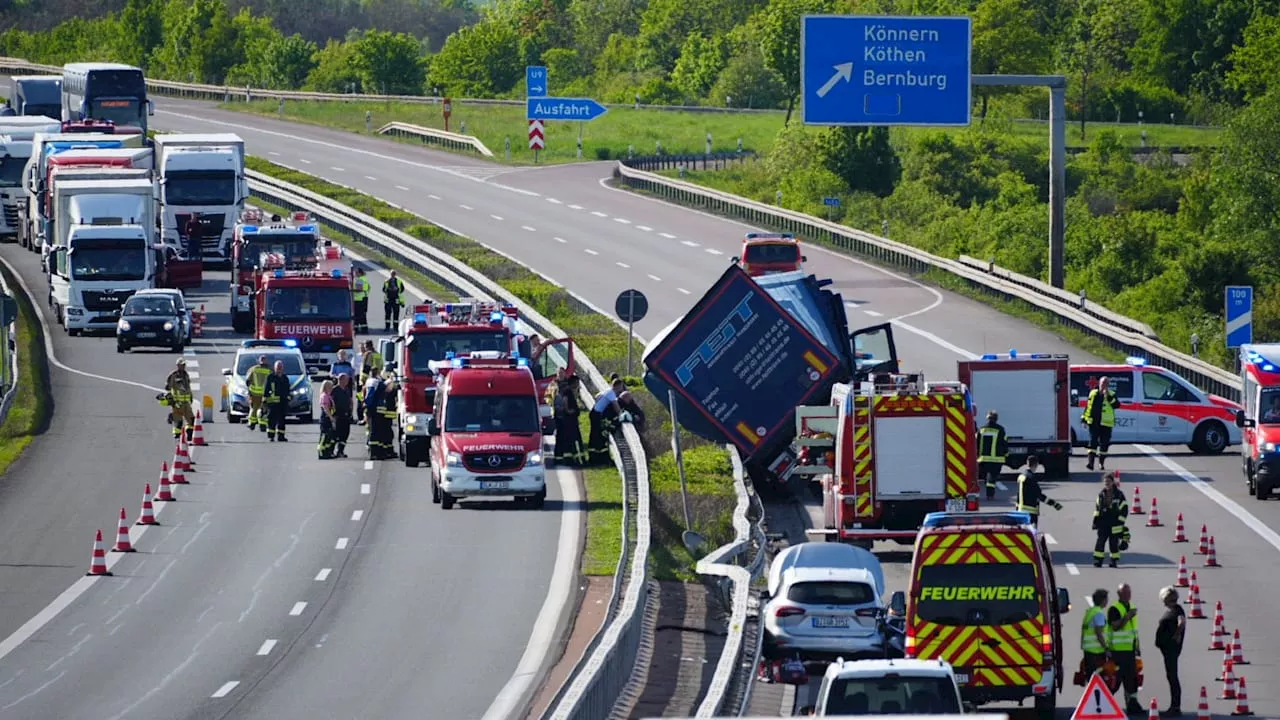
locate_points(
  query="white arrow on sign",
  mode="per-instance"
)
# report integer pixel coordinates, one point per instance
(844, 71)
(536, 88)
(1239, 322)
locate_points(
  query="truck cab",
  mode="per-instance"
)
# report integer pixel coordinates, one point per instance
(203, 176)
(487, 432)
(764, 253)
(312, 307)
(255, 235)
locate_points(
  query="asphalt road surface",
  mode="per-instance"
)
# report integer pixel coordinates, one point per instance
(276, 586)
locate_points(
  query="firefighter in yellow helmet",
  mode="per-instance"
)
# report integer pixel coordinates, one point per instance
(178, 388)
(256, 383)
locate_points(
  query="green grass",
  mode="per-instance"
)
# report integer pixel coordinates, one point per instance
(679, 132)
(29, 414)
(600, 339)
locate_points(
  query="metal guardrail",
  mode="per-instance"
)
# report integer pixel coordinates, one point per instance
(691, 161)
(451, 140)
(598, 682)
(9, 359)
(1089, 320)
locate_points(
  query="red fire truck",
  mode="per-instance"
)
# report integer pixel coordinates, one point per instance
(296, 240)
(311, 306)
(440, 332)
(902, 448)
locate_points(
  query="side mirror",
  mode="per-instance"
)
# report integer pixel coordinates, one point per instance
(1242, 421)
(1064, 600)
(226, 371)
(804, 258)
(390, 365)
(548, 426)
(433, 429)
(1075, 396)
(735, 260)
(898, 603)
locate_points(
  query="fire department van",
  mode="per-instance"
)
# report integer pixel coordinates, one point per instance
(486, 431)
(1157, 407)
(764, 253)
(983, 597)
(1030, 394)
(1260, 418)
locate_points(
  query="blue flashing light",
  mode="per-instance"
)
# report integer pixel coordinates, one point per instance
(249, 229)
(522, 362)
(419, 318)
(1013, 353)
(291, 343)
(1138, 361)
(990, 356)
(1039, 356)
(308, 228)
(337, 273)
(943, 519)
(449, 355)
(279, 273)
(496, 316)
(448, 307)
(458, 362)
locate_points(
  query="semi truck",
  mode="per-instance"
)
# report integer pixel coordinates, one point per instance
(202, 175)
(35, 174)
(1032, 395)
(36, 96)
(16, 134)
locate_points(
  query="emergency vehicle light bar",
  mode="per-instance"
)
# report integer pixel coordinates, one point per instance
(268, 343)
(308, 228)
(1014, 356)
(944, 519)
(247, 229)
(1137, 361)
(760, 235)
(1253, 357)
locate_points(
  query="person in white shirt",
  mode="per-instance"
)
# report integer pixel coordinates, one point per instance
(603, 414)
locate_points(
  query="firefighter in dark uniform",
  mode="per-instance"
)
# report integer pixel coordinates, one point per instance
(392, 300)
(276, 399)
(604, 418)
(381, 413)
(1029, 493)
(993, 447)
(1109, 517)
(1100, 416)
(342, 402)
(566, 407)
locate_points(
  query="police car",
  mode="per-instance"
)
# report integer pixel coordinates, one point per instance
(236, 391)
(1157, 407)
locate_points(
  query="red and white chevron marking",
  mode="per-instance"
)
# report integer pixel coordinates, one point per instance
(537, 140)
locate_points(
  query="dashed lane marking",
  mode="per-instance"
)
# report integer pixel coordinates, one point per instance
(495, 217)
(370, 177)
(1002, 486)
(624, 221)
(335, 168)
(688, 243)
(341, 544)
(589, 251)
(561, 240)
(553, 200)
(872, 313)
(597, 213)
(530, 229)
(368, 464)
(655, 278)
(365, 488)
(305, 161)
(668, 236)
(465, 207)
(401, 187)
(192, 375)
(1050, 539)
(323, 574)
(273, 152)
(575, 207)
(713, 251)
(645, 228)
(356, 515)
(226, 689)
(686, 292)
(623, 265)
(1072, 569)
(298, 607)
(266, 647)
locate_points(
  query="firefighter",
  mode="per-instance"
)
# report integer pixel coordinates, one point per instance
(392, 299)
(1029, 493)
(993, 446)
(342, 402)
(360, 295)
(381, 409)
(567, 406)
(178, 390)
(1123, 617)
(370, 369)
(1109, 517)
(1100, 416)
(276, 399)
(256, 383)
(603, 417)
(1095, 633)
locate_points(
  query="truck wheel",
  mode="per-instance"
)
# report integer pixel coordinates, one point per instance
(1210, 439)
(1058, 467)
(1047, 705)
(446, 501)
(411, 457)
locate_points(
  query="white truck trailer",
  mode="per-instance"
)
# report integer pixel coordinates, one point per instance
(201, 175)
(16, 134)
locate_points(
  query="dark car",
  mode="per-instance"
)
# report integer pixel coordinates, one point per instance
(150, 321)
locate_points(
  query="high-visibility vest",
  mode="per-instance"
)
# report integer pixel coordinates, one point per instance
(257, 380)
(360, 289)
(393, 288)
(989, 445)
(1108, 412)
(1023, 502)
(1124, 638)
(1088, 638)
(180, 389)
(372, 364)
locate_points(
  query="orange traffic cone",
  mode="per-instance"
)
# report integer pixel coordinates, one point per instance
(98, 566)
(1226, 661)
(1202, 712)
(1215, 640)
(1154, 712)
(1180, 532)
(179, 477)
(1204, 540)
(197, 438)
(166, 490)
(1137, 502)
(1154, 519)
(1212, 560)
(122, 535)
(1197, 610)
(188, 457)
(1237, 651)
(1242, 700)
(1228, 684)
(1181, 580)
(148, 516)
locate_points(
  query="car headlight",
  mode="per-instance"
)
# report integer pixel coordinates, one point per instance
(124, 325)
(453, 459)
(304, 390)
(1269, 447)
(411, 422)
(168, 326)
(533, 459)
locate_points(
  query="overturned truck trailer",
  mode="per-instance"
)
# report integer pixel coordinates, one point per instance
(753, 349)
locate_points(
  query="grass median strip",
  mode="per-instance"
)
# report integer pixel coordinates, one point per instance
(33, 404)
(710, 482)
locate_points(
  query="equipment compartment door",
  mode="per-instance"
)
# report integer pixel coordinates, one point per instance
(549, 357)
(909, 457)
(1027, 401)
(180, 274)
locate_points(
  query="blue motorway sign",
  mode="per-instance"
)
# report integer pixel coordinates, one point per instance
(535, 81)
(549, 108)
(884, 70)
(742, 361)
(1239, 314)
(831, 201)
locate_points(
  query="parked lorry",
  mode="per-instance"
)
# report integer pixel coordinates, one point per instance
(750, 352)
(1032, 395)
(35, 175)
(16, 134)
(902, 448)
(36, 96)
(204, 176)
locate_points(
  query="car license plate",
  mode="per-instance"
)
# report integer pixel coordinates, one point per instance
(146, 335)
(962, 678)
(493, 484)
(1017, 451)
(956, 505)
(831, 622)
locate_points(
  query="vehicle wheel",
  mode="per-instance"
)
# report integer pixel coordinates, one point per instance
(1210, 439)
(411, 459)
(1058, 467)
(232, 419)
(176, 348)
(446, 500)
(73, 332)
(1262, 492)
(1047, 705)
(435, 492)
(537, 501)
(120, 348)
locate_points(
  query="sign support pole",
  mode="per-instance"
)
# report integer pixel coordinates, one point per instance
(631, 324)
(676, 450)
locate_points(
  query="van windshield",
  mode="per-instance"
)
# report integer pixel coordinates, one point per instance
(771, 253)
(894, 695)
(1269, 406)
(492, 413)
(990, 594)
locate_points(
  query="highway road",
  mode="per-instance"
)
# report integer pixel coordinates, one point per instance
(277, 585)
(566, 222)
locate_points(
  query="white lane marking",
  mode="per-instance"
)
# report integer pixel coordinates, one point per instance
(713, 251)
(1002, 486)
(655, 278)
(370, 177)
(686, 292)
(668, 236)
(305, 160)
(193, 363)
(688, 243)
(195, 387)
(323, 574)
(645, 228)
(589, 251)
(575, 207)
(872, 313)
(530, 229)
(563, 578)
(1050, 539)
(1072, 569)
(341, 544)
(401, 187)
(336, 168)
(1271, 537)
(495, 217)
(937, 341)
(561, 240)
(226, 689)
(192, 375)
(365, 488)
(465, 207)
(368, 464)
(273, 152)
(624, 221)
(267, 645)
(553, 200)
(298, 607)
(189, 353)
(622, 265)
(597, 213)
(356, 515)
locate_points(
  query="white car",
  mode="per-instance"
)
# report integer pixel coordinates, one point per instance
(180, 302)
(286, 351)
(888, 687)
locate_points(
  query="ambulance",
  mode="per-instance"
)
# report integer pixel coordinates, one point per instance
(764, 253)
(1260, 418)
(983, 597)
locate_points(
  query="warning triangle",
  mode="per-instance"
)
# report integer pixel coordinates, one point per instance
(1098, 703)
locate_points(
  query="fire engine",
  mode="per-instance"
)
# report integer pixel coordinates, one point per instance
(1032, 395)
(903, 448)
(295, 240)
(440, 332)
(311, 306)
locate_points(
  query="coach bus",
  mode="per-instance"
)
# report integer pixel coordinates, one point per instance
(106, 91)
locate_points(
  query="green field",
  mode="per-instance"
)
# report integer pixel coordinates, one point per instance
(32, 406)
(680, 132)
